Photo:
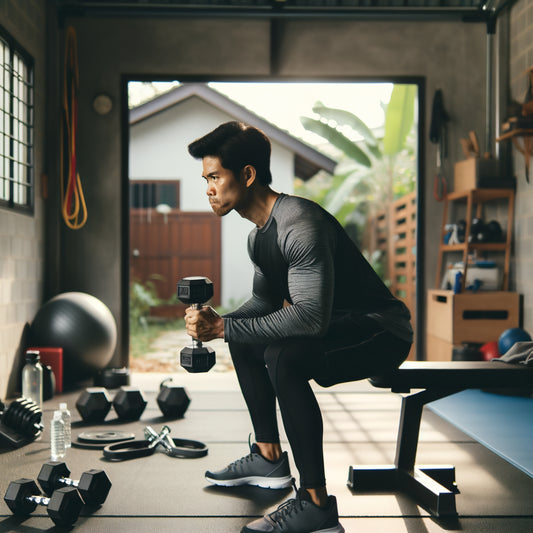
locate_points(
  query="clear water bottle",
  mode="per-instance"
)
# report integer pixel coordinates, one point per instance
(32, 378)
(65, 415)
(57, 436)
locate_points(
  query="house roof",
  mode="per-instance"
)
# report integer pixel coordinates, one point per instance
(307, 160)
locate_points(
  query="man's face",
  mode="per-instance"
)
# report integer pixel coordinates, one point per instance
(223, 189)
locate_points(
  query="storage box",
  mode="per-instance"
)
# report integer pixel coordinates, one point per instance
(438, 349)
(477, 173)
(471, 317)
(53, 357)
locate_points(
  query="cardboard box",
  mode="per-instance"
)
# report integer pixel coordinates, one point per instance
(477, 173)
(471, 317)
(438, 349)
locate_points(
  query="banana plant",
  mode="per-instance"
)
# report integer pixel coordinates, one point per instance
(369, 167)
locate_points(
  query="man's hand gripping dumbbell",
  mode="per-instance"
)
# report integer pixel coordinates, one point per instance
(196, 291)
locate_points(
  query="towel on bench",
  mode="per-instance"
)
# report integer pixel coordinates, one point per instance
(520, 353)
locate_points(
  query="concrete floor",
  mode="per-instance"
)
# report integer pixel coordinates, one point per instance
(170, 494)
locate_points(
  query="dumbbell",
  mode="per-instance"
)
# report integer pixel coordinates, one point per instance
(172, 399)
(196, 290)
(94, 404)
(93, 485)
(63, 506)
(21, 421)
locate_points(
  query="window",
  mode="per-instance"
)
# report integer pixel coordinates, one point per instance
(16, 126)
(150, 194)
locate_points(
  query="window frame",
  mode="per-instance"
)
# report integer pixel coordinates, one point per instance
(155, 182)
(17, 151)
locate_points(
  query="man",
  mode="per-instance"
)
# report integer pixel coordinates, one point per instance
(317, 311)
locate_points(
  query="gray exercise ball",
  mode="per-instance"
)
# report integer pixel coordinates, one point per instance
(83, 326)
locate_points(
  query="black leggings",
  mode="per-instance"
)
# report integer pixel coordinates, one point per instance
(282, 370)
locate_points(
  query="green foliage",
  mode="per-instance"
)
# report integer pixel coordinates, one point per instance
(142, 298)
(399, 118)
(372, 171)
(336, 138)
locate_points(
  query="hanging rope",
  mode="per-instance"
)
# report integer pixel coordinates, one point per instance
(73, 207)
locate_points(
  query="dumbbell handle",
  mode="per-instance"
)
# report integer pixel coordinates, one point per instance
(39, 500)
(68, 482)
(195, 342)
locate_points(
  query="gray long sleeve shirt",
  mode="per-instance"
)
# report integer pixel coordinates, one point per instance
(302, 255)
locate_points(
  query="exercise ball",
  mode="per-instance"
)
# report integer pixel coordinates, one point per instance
(510, 336)
(489, 351)
(83, 326)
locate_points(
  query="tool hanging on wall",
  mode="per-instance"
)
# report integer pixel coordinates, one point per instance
(73, 207)
(438, 134)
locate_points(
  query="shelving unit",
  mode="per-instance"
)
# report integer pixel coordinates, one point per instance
(475, 199)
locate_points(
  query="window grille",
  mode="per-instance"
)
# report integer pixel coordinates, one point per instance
(16, 125)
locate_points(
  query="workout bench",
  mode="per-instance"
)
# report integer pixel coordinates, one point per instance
(433, 487)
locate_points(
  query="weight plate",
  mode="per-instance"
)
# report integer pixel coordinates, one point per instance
(104, 437)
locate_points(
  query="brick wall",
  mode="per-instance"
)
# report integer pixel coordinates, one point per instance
(521, 57)
(21, 236)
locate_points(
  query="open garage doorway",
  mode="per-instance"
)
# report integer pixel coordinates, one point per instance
(351, 146)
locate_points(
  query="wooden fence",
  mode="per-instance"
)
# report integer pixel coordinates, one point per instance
(392, 231)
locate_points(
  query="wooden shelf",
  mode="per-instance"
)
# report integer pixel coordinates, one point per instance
(481, 195)
(519, 132)
(477, 197)
(480, 246)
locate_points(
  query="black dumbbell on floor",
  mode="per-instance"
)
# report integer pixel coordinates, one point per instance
(93, 485)
(172, 399)
(196, 290)
(63, 506)
(94, 403)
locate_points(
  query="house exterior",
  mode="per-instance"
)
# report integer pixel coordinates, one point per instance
(160, 131)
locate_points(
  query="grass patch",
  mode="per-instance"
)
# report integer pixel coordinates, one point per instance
(143, 336)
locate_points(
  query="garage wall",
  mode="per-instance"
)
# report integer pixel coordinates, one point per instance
(521, 58)
(21, 235)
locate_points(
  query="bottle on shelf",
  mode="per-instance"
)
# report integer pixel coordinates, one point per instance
(32, 378)
(57, 437)
(65, 415)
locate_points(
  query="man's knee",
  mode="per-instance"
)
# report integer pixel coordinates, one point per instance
(289, 358)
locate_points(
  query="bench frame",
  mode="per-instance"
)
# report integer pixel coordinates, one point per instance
(431, 486)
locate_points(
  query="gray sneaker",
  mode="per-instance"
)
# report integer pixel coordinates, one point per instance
(254, 469)
(299, 515)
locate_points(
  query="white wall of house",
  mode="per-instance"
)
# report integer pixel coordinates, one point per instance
(158, 150)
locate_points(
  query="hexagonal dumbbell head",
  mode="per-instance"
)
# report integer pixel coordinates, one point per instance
(197, 358)
(173, 400)
(129, 403)
(65, 506)
(93, 404)
(195, 290)
(51, 475)
(93, 485)
(18, 496)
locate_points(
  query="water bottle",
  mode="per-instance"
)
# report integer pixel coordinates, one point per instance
(65, 415)
(57, 439)
(32, 378)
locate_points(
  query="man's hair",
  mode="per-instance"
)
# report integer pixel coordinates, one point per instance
(236, 145)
